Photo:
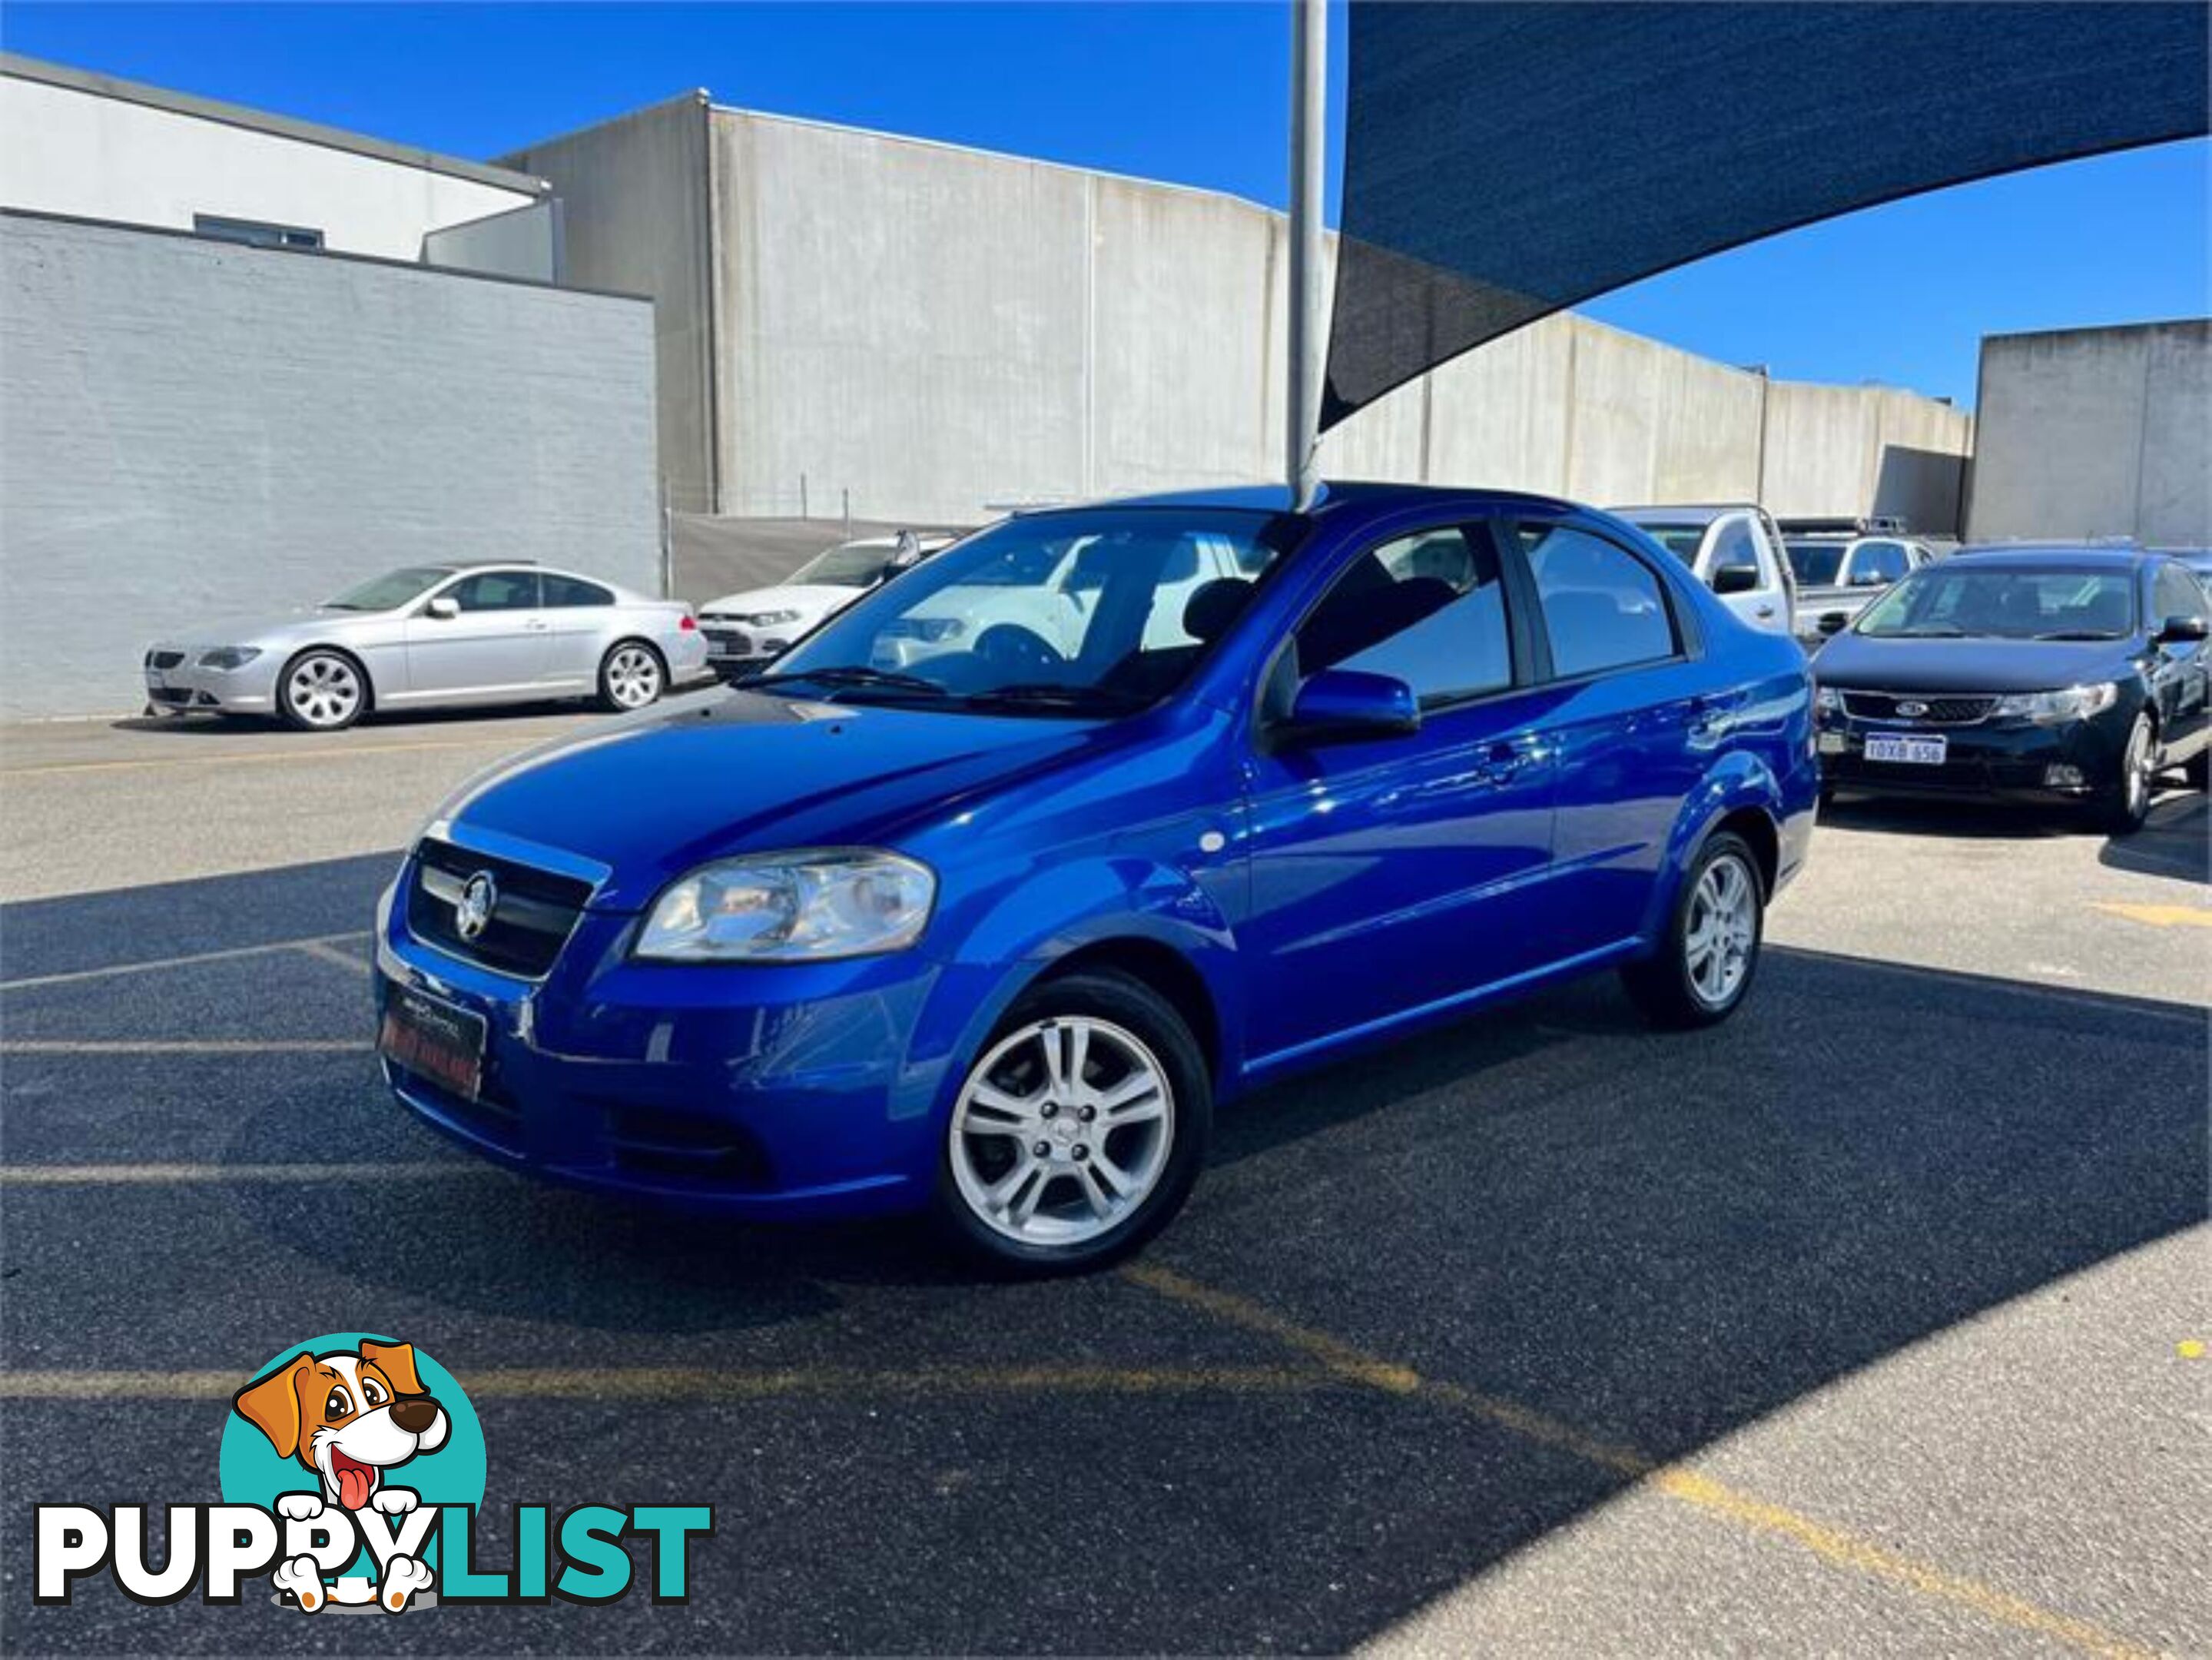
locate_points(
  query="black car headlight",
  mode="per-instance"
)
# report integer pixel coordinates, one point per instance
(230, 657)
(810, 906)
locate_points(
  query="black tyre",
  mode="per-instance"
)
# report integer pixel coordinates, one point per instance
(1708, 955)
(632, 676)
(1079, 1131)
(322, 690)
(2198, 770)
(2126, 801)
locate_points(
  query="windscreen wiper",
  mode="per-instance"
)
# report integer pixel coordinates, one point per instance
(850, 675)
(1050, 694)
(2078, 633)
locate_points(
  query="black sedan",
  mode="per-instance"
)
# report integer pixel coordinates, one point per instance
(2058, 674)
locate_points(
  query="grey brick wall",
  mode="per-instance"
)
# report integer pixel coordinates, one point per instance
(193, 429)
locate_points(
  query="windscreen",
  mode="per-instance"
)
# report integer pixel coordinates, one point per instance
(391, 590)
(1967, 602)
(1091, 611)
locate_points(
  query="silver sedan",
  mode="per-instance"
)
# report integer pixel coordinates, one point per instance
(435, 636)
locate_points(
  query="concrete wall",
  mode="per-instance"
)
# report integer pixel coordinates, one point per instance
(2097, 432)
(65, 150)
(634, 217)
(917, 330)
(191, 428)
(523, 242)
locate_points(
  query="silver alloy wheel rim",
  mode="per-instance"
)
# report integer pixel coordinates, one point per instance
(1062, 1131)
(1723, 924)
(2135, 770)
(633, 677)
(324, 691)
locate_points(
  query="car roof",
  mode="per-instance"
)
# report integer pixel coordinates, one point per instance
(1684, 512)
(1338, 497)
(2071, 556)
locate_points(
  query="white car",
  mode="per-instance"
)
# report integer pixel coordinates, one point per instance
(1735, 549)
(746, 631)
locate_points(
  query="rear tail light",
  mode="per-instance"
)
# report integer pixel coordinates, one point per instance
(687, 624)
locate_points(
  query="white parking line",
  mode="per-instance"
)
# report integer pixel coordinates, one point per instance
(192, 959)
(64, 1176)
(324, 952)
(187, 1046)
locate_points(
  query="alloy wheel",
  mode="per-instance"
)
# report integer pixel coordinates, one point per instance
(633, 677)
(323, 691)
(1722, 928)
(2136, 769)
(1062, 1132)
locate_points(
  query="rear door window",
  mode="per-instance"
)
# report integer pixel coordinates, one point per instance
(1604, 609)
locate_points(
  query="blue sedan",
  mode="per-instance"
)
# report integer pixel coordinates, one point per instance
(1023, 863)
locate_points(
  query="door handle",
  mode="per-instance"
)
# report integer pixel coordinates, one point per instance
(1764, 611)
(1502, 760)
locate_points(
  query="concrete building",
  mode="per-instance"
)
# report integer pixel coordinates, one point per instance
(2096, 432)
(245, 363)
(919, 330)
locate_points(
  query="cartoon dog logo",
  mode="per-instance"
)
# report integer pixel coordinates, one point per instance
(348, 1417)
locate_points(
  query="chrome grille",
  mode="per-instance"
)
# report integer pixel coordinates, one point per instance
(530, 920)
(1918, 709)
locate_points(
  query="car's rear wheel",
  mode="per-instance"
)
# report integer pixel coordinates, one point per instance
(1079, 1131)
(1705, 962)
(2127, 801)
(631, 676)
(322, 690)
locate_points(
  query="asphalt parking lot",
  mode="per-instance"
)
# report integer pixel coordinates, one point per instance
(1872, 1322)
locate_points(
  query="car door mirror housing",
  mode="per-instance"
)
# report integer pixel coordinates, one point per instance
(445, 607)
(2181, 629)
(1735, 579)
(1337, 705)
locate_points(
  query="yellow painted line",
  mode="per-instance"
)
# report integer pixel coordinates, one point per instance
(153, 965)
(679, 1384)
(1677, 1481)
(261, 757)
(2159, 916)
(183, 1174)
(188, 1046)
(2190, 1348)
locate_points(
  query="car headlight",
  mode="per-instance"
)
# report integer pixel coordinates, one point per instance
(791, 907)
(769, 619)
(2075, 703)
(230, 657)
(1827, 700)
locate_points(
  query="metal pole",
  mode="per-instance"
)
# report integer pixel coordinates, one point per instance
(1308, 119)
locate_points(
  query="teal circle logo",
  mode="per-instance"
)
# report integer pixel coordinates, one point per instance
(355, 1422)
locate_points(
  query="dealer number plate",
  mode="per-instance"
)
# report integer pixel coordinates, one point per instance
(430, 1036)
(1913, 752)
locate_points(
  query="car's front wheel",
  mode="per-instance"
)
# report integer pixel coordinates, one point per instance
(322, 692)
(631, 676)
(1079, 1131)
(1703, 966)
(2127, 799)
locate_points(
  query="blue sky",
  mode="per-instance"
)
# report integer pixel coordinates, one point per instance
(1194, 94)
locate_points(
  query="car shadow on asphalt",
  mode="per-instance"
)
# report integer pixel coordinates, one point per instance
(2172, 843)
(1654, 1238)
(235, 726)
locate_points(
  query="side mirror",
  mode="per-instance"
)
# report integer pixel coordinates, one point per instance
(1337, 705)
(445, 608)
(2179, 630)
(1833, 621)
(1735, 579)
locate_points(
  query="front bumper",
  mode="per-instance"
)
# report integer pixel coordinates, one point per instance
(775, 1093)
(185, 687)
(2076, 761)
(735, 648)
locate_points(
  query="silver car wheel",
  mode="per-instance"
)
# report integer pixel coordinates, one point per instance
(633, 677)
(2136, 769)
(323, 691)
(1722, 928)
(1062, 1131)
